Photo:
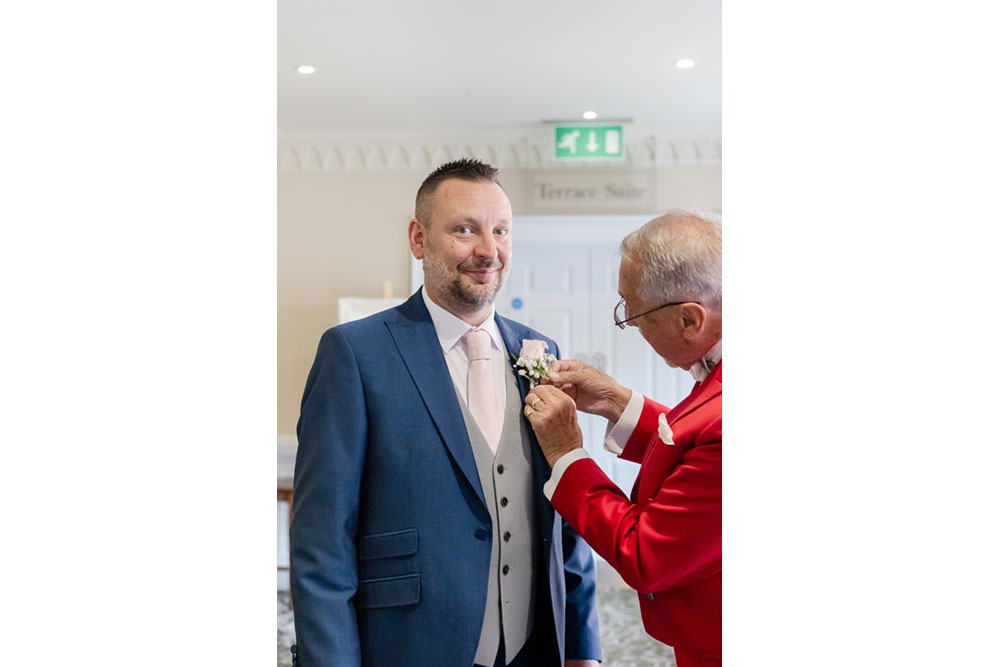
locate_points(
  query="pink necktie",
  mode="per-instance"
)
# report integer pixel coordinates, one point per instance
(482, 396)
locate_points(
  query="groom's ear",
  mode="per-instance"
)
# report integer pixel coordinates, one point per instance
(417, 233)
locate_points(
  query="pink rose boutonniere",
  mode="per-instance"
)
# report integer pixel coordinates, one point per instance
(533, 361)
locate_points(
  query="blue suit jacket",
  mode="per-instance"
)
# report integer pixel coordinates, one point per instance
(391, 536)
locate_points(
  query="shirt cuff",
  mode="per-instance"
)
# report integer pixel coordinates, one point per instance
(560, 467)
(618, 433)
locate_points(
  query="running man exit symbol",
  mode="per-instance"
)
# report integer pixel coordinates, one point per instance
(589, 141)
(568, 141)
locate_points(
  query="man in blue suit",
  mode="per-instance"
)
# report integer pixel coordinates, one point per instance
(420, 534)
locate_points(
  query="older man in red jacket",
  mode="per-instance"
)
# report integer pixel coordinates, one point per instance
(665, 538)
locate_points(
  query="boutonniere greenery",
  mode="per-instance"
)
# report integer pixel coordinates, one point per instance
(533, 361)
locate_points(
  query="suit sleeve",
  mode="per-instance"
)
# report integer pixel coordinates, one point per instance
(332, 432)
(672, 540)
(582, 636)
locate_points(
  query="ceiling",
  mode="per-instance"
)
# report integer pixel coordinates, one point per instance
(446, 65)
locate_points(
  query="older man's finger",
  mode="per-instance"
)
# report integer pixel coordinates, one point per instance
(543, 390)
(568, 370)
(531, 397)
(562, 365)
(550, 394)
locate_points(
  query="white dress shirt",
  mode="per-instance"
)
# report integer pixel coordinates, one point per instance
(619, 433)
(451, 331)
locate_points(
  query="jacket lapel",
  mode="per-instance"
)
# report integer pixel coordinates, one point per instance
(707, 390)
(512, 334)
(418, 345)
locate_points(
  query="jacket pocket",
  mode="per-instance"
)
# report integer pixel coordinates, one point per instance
(388, 545)
(388, 592)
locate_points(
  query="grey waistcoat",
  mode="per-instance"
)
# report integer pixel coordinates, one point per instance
(510, 497)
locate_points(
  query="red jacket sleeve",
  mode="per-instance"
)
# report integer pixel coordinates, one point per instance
(671, 539)
(635, 448)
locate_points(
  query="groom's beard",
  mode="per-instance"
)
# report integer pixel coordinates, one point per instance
(462, 294)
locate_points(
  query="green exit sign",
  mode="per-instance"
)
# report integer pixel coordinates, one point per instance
(589, 141)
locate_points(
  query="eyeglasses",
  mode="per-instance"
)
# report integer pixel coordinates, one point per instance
(621, 310)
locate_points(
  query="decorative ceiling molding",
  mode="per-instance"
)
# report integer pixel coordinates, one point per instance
(405, 153)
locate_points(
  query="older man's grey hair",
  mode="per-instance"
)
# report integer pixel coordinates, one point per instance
(680, 253)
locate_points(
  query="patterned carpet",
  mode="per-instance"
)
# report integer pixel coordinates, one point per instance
(622, 639)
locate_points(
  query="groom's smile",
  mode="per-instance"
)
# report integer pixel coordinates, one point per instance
(485, 274)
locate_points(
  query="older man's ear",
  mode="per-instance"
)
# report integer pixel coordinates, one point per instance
(693, 318)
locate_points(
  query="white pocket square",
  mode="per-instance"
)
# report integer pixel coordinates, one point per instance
(666, 435)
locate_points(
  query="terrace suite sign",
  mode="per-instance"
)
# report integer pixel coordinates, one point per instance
(590, 190)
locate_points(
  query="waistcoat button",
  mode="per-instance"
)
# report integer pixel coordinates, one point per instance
(500, 469)
(503, 502)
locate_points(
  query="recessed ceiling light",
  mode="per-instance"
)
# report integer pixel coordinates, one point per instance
(590, 115)
(306, 69)
(684, 63)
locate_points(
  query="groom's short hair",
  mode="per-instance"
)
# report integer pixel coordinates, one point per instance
(464, 169)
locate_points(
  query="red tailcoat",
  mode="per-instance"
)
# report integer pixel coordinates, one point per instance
(666, 538)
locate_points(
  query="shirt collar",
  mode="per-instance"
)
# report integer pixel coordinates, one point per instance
(701, 369)
(451, 329)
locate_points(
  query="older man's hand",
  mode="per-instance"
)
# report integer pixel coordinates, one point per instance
(594, 392)
(553, 417)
